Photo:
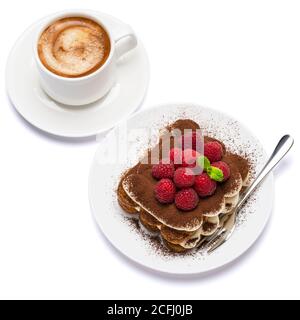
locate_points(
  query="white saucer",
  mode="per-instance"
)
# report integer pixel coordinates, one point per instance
(104, 179)
(46, 114)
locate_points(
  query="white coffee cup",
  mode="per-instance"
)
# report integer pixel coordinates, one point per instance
(86, 89)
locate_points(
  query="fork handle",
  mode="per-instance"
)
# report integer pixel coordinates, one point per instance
(282, 148)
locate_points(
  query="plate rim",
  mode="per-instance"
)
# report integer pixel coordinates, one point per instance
(227, 261)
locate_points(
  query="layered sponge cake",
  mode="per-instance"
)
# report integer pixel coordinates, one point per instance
(183, 193)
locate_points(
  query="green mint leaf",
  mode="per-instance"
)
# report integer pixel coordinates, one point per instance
(216, 174)
(203, 162)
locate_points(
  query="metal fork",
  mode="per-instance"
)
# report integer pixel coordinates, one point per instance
(223, 234)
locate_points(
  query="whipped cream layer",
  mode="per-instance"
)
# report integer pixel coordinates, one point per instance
(74, 47)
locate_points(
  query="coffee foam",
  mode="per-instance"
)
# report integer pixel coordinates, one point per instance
(74, 47)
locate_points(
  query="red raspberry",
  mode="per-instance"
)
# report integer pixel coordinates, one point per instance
(186, 199)
(176, 157)
(192, 140)
(213, 151)
(163, 170)
(184, 178)
(189, 158)
(165, 191)
(204, 185)
(224, 167)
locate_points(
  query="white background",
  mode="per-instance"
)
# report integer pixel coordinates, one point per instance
(242, 57)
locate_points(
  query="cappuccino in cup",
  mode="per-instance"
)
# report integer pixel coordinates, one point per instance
(74, 47)
(76, 54)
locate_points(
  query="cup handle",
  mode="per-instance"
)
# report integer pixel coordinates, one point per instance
(125, 39)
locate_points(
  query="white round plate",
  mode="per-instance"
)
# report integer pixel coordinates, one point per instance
(110, 217)
(46, 114)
